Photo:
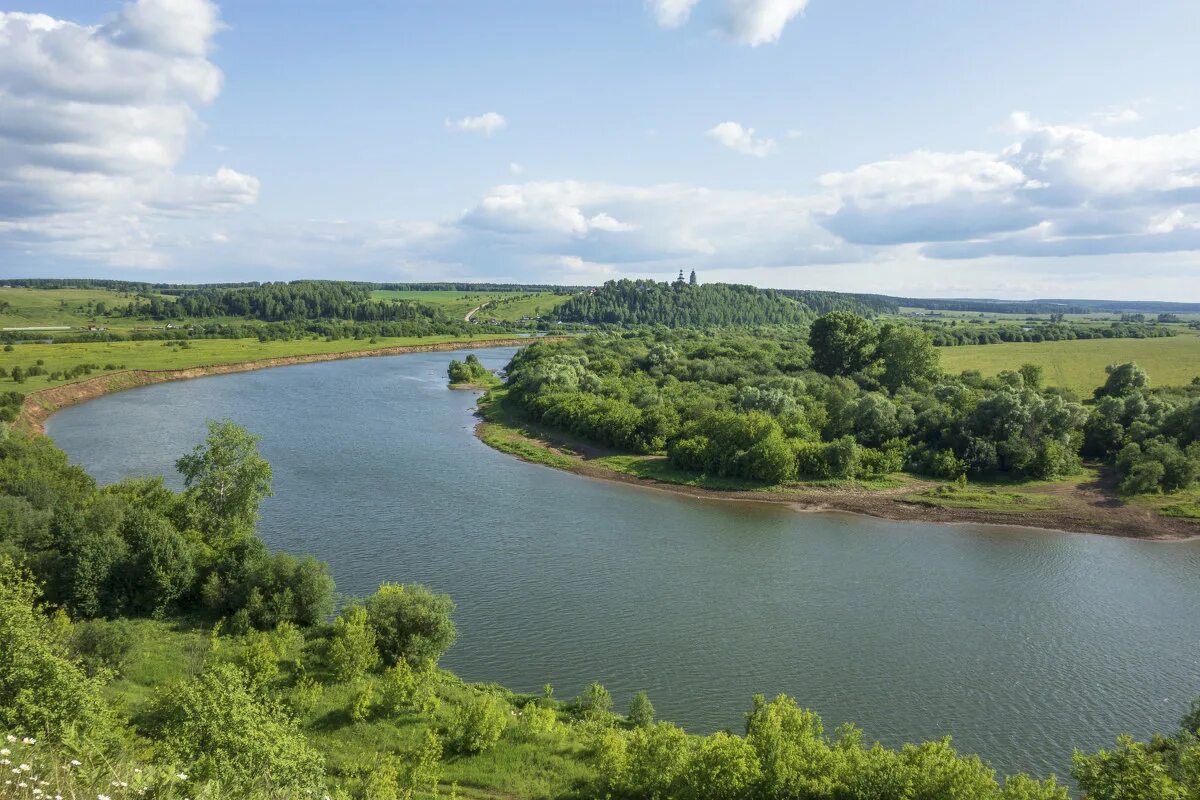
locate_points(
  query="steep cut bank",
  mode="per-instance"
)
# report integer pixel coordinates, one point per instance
(39, 405)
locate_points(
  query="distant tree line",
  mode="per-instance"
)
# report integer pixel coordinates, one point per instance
(956, 333)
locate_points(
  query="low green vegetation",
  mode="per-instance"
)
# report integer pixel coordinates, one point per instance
(471, 373)
(982, 499)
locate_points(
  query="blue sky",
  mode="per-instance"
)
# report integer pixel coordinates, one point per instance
(1019, 149)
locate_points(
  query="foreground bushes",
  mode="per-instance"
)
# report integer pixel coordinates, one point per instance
(785, 753)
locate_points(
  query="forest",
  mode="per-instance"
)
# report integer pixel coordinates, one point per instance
(81, 563)
(851, 399)
(643, 302)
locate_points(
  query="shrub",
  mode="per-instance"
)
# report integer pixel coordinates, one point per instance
(40, 689)
(539, 721)
(351, 651)
(477, 724)
(595, 703)
(411, 623)
(641, 710)
(219, 727)
(362, 702)
(103, 645)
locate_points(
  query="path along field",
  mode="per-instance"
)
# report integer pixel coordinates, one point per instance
(1079, 365)
(111, 356)
(504, 306)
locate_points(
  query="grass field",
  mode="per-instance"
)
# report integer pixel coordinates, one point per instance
(201, 352)
(1079, 365)
(505, 306)
(25, 308)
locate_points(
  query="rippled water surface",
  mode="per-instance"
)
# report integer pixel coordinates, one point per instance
(1020, 644)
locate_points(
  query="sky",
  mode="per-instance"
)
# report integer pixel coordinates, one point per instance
(933, 148)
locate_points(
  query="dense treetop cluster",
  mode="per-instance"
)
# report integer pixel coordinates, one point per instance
(681, 304)
(848, 399)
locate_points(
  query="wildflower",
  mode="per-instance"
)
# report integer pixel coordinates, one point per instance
(103, 797)
(5, 762)
(25, 768)
(4, 751)
(10, 738)
(182, 776)
(28, 740)
(75, 762)
(22, 784)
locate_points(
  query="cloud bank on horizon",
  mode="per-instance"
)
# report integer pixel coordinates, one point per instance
(96, 118)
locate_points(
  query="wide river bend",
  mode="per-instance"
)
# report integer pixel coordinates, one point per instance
(1022, 644)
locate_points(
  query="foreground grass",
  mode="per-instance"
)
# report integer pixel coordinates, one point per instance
(198, 353)
(518, 766)
(1079, 365)
(1183, 505)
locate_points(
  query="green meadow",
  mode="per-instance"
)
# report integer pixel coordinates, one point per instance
(1079, 365)
(32, 308)
(112, 356)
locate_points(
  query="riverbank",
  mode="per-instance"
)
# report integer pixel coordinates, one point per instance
(41, 404)
(1086, 504)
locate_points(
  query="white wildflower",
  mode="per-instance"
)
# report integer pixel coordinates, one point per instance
(182, 776)
(75, 762)
(28, 740)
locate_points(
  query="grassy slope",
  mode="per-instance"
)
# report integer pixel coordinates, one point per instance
(202, 352)
(44, 307)
(509, 306)
(518, 766)
(1079, 365)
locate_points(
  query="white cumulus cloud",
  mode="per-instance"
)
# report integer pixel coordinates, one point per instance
(671, 13)
(755, 22)
(742, 140)
(487, 123)
(93, 121)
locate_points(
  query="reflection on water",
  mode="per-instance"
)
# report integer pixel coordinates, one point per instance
(1022, 644)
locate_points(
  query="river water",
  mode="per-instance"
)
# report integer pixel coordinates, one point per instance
(1021, 644)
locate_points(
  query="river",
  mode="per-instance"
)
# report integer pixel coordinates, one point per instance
(1021, 644)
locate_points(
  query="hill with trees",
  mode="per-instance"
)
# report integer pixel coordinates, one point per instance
(681, 304)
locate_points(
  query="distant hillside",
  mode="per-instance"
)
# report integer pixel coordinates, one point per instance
(645, 302)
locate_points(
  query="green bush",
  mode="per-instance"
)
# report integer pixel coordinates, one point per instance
(411, 623)
(104, 645)
(477, 724)
(350, 650)
(226, 731)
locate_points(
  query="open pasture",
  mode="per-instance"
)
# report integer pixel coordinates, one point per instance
(1079, 365)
